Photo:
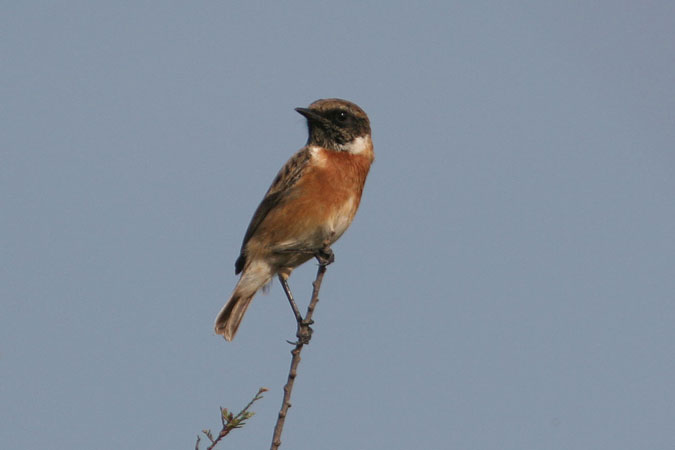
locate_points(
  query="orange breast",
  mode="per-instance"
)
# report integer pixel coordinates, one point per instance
(325, 199)
(320, 207)
(334, 185)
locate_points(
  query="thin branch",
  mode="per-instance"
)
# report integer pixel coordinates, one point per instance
(230, 421)
(304, 334)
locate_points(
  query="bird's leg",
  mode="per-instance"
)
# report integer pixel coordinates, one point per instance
(289, 296)
(296, 250)
(304, 333)
(324, 255)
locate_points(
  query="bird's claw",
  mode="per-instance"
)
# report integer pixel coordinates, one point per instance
(325, 256)
(304, 333)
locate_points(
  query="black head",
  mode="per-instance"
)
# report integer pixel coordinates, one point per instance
(334, 123)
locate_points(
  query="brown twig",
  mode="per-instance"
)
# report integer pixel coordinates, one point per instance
(304, 334)
(230, 421)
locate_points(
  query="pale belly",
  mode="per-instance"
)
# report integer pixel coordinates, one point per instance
(326, 231)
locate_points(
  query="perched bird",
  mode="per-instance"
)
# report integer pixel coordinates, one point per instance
(311, 202)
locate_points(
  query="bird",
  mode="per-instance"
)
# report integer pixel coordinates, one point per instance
(309, 205)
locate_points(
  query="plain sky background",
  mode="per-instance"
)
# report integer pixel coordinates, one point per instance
(509, 280)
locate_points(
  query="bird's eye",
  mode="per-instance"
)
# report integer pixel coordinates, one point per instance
(341, 117)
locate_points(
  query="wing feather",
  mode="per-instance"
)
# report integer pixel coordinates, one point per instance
(282, 185)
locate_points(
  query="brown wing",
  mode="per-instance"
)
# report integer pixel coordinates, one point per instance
(278, 191)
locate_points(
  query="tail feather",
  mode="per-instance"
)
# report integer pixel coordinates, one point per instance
(229, 318)
(256, 275)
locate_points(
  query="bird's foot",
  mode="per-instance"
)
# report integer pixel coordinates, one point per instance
(304, 333)
(325, 256)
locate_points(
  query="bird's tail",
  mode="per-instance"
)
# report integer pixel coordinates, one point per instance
(255, 276)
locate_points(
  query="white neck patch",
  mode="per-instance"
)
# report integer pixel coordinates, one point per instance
(359, 145)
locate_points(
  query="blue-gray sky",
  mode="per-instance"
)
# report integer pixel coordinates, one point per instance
(507, 284)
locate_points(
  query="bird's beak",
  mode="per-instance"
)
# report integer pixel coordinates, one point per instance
(309, 114)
